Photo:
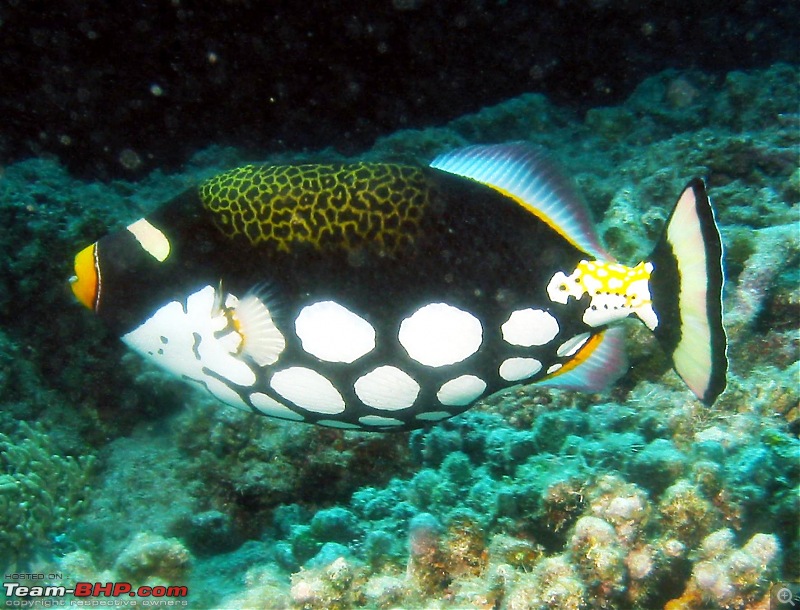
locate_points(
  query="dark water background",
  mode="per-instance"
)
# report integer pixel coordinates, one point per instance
(120, 89)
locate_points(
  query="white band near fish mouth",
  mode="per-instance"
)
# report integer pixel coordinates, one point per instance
(152, 239)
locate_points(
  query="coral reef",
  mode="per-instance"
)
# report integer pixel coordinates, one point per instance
(41, 493)
(727, 577)
(153, 559)
(254, 465)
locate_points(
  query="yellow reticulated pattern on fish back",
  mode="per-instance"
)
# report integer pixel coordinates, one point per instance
(327, 206)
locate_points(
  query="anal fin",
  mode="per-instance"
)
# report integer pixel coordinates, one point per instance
(596, 366)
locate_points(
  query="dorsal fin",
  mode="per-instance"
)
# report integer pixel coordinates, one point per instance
(524, 173)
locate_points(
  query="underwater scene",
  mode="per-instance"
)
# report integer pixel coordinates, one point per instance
(666, 474)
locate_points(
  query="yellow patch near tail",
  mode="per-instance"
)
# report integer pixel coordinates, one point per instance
(615, 291)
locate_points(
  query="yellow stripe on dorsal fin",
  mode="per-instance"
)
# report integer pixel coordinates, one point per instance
(525, 174)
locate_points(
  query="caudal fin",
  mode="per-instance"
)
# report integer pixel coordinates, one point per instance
(686, 289)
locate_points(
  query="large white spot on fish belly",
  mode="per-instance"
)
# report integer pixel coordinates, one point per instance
(571, 346)
(269, 406)
(191, 343)
(461, 390)
(387, 387)
(527, 327)
(377, 420)
(333, 333)
(307, 389)
(515, 369)
(439, 334)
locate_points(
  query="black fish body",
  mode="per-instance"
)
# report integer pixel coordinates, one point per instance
(382, 296)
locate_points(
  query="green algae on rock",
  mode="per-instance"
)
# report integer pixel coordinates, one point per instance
(41, 494)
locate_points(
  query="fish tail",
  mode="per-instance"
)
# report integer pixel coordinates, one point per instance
(686, 291)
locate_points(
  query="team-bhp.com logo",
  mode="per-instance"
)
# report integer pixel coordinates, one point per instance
(94, 594)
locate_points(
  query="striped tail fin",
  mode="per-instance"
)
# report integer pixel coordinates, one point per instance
(686, 290)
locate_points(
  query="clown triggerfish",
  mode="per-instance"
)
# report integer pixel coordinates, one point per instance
(385, 296)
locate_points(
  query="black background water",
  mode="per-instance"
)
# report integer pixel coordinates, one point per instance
(117, 89)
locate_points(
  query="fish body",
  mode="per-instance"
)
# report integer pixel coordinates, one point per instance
(384, 296)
